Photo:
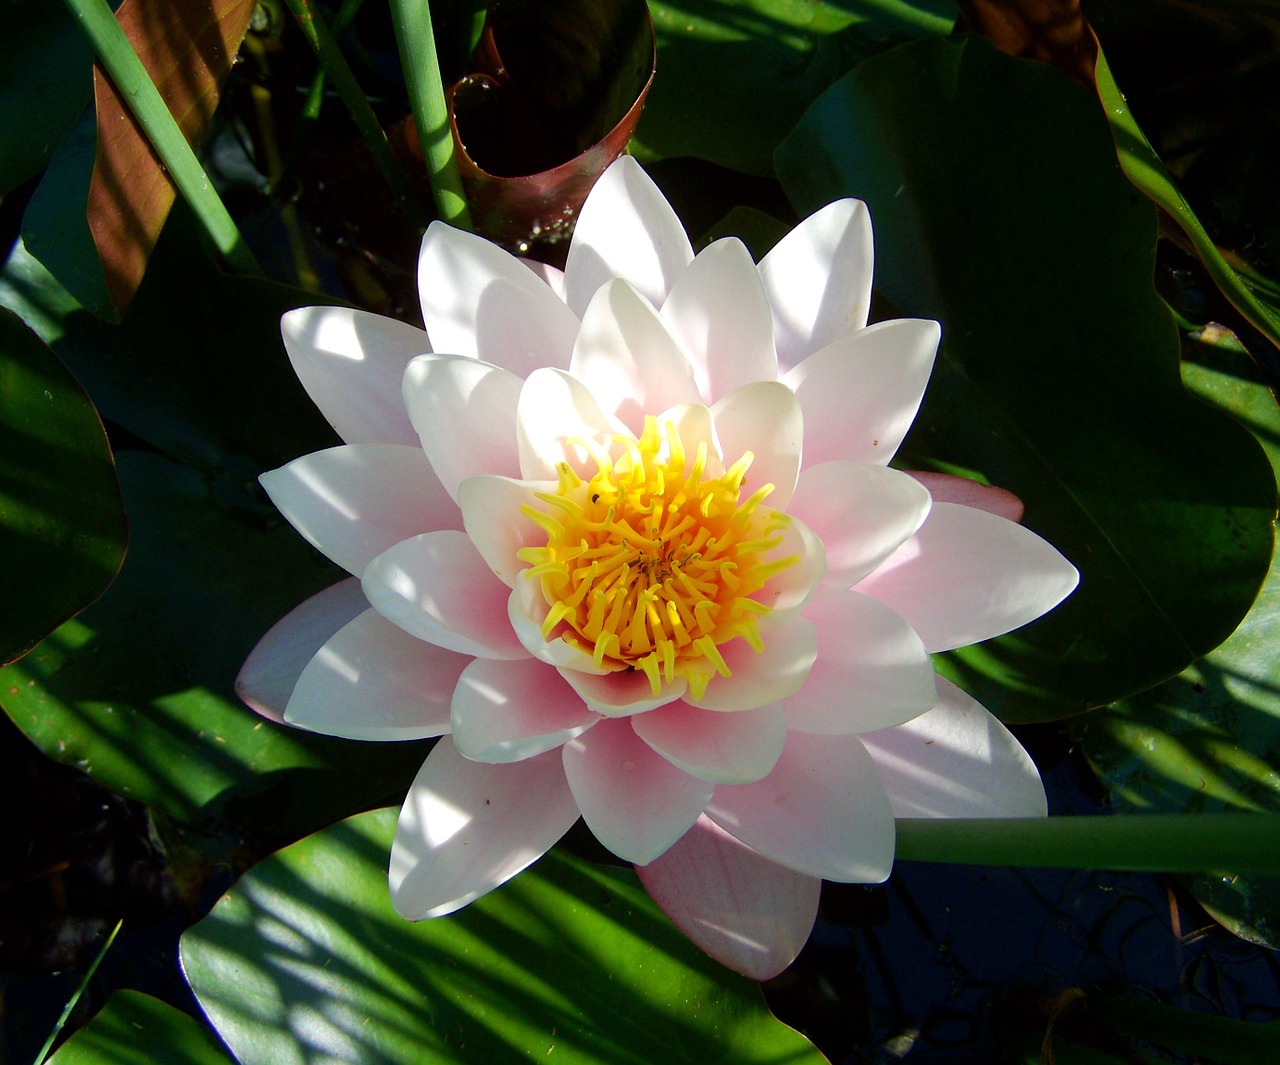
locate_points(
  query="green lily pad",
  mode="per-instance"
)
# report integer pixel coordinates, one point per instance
(131, 1021)
(1000, 211)
(304, 960)
(137, 691)
(62, 523)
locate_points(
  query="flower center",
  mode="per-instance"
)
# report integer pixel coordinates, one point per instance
(651, 564)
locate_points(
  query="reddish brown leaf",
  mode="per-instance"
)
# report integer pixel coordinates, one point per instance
(187, 47)
(1051, 31)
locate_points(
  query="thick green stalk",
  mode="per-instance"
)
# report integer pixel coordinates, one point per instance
(1169, 843)
(136, 88)
(417, 43)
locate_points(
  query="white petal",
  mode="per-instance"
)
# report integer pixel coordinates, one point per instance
(757, 679)
(947, 488)
(791, 588)
(718, 311)
(437, 587)
(747, 912)
(634, 800)
(956, 761)
(626, 229)
(872, 670)
(493, 519)
(822, 811)
(467, 827)
(861, 512)
(482, 303)
(507, 711)
(968, 575)
(627, 357)
(818, 280)
(350, 362)
(554, 410)
(732, 748)
(623, 692)
(373, 681)
(694, 426)
(356, 501)
(526, 611)
(861, 393)
(269, 674)
(763, 418)
(465, 414)
(551, 276)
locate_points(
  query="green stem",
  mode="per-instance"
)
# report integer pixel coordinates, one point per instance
(75, 997)
(1189, 1032)
(417, 43)
(136, 88)
(1168, 843)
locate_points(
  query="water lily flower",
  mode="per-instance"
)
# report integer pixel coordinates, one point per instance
(626, 539)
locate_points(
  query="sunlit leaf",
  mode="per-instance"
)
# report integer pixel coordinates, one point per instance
(132, 1023)
(305, 961)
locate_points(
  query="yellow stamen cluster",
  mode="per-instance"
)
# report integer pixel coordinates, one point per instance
(651, 564)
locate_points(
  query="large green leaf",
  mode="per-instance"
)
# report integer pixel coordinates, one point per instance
(133, 1026)
(137, 691)
(304, 960)
(1000, 211)
(62, 525)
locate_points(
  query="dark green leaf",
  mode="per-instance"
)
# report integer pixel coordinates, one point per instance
(62, 524)
(304, 960)
(133, 1027)
(1000, 211)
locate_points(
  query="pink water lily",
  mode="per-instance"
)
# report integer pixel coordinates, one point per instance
(626, 538)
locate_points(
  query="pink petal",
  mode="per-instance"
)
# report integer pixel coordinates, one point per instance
(861, 392)
(628, 358)
(272, 669)
(492, 517)
(634, 800)
(749, 913)
(464, 412)
(482, 303)
(554, 410)
(437, 587)
(822, 811)
(626, 229)
(956, 761)
(350, 362)
(818, 280)
(790, 589)
(356, 501)
(373, 681)
(467, 827)
(947, 488)
(968, 575)
(526, 611)
(509, 711)
(718, 311)
(759, 678)
(861, 512)
(763, 418)
(623, 692)
(872, 670)
(732, 748)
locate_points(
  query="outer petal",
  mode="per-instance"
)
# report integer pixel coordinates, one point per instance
(861, 512)
(272, 669)
(822, 811)
(757, 679)
(622, 693)
(465, 414)
(747, 912)
(467, 827)
(872, 671)
(356, 501)
(555, 409)
(492, 517)
(509, 711)
(818, 280)
(860, 394)
(480, 302)
(722, 748)
(634, 800)
(763, 418)
(350, 362)
(373, 681)
(968, 575)
(956, 761)
(437, 587)
(628, 358)
(626, 229)
(947, 488)
(718, 310)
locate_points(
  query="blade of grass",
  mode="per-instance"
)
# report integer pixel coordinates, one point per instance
(75, 997)
(135, 86)
(417, 44)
